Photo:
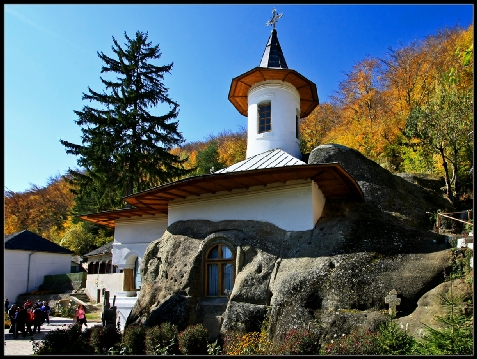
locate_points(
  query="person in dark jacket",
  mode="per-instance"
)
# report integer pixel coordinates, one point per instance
(7, 305)
(38, 318)
(45, 308)
(20, 320)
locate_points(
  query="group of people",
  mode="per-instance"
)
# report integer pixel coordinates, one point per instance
(28, 318)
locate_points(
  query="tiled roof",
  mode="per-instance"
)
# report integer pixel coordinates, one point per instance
(106, 249)
(267, 159)
(29, 241)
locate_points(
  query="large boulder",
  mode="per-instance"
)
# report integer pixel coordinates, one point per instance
(329, 279)
(409, 197)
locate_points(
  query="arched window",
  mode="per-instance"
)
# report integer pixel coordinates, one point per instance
(264, 117)
(220, 269)
(137, 274)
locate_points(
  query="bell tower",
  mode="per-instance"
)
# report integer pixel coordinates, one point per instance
(274, 98)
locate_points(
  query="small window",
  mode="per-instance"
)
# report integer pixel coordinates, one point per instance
(297, 127)
(264, 117)
(137, 275)
(220, 271)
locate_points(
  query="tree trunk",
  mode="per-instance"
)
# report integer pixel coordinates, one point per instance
(450, 194)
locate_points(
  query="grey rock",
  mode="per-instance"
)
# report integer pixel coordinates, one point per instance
(329, 279)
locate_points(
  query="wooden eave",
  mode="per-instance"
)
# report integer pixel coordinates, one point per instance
(331, 178)
(238, 93)
(107, 218)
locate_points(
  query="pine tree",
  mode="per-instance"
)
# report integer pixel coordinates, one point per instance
(125, 147)
(455, 334)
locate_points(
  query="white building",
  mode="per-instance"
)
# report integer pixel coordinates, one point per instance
(28, 258)
(271, 185)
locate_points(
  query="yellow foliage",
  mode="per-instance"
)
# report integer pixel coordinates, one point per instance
(252, 343)
(315, 127)
(38, 209)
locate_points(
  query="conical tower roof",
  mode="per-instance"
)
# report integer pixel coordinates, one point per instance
(273, 67)
(273, 55)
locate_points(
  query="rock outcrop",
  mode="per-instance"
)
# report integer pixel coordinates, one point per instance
(329, 279)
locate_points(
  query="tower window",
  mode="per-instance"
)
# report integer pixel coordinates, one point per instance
(297, 127)
(264, 117)
(220, 269)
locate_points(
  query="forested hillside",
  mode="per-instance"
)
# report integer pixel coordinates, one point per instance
(411, 111)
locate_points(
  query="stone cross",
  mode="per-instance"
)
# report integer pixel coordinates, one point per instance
(393, 301)
(274, 18)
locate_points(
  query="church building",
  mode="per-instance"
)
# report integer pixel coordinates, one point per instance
(273, 184)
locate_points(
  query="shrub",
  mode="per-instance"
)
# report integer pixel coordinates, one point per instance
(298, 342)
(456, 333)
(64, 341)
(193, 340)
(395, 341)
(162, 340)
(252, 343)
(67, 311)
(358, 342)
(104, 338)
(460, 261)
(214, 348)
(133, 339)
(8, 323)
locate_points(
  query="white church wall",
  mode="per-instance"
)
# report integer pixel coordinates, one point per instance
(26, 270)
(133, 235)
(292, 207)
(113, 282)
(318, 202)
(285, 100)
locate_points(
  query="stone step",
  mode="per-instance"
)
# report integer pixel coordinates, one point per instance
(81, 298)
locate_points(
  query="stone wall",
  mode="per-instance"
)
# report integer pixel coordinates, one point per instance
(52, 299)
(112, 282)
(64, 282)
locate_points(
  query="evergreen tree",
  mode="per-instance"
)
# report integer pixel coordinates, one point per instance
(455, 334)
(125, 147)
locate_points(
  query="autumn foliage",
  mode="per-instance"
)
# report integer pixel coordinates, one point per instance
(39, 209)
(382, 108)
(380, 98)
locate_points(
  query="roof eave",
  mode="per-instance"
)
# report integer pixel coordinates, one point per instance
(331, 178)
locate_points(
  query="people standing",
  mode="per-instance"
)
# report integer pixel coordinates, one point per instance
(7, 305)
(20, 320)
(28, 304)
(81, 316)
(38, 318)
(30, 320)
(45, 308)
(11, 314)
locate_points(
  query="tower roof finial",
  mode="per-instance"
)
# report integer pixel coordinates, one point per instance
(274, 18)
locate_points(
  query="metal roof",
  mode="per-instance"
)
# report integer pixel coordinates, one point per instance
(273, 55)
(331, 178)
(273, 67)
(267, 159)
(106, 249)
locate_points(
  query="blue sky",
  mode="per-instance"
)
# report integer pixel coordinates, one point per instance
(50, 59)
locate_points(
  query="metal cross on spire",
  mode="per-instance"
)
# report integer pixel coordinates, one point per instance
(274, 18)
